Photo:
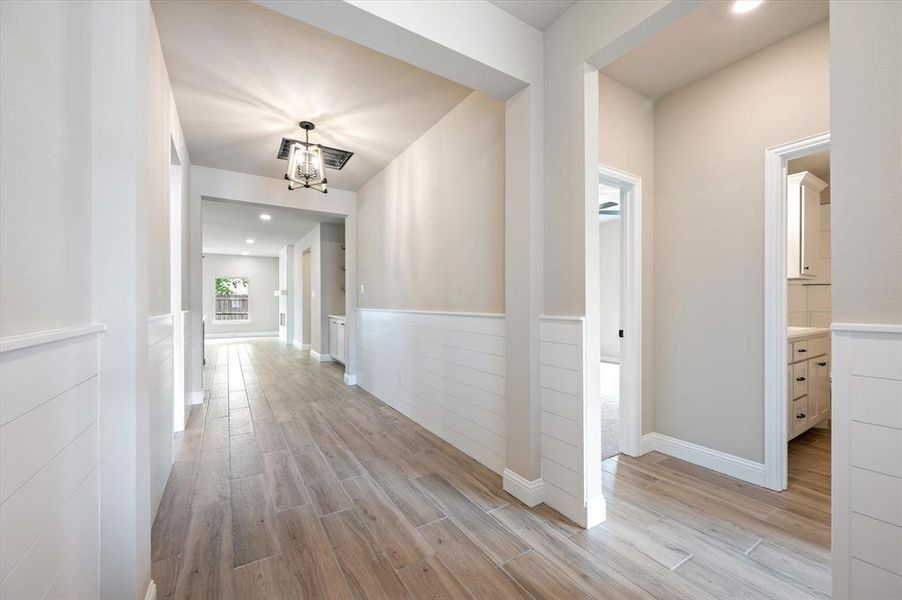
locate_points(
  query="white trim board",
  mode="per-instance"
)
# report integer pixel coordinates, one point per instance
(300, 346)
(249, 334)
(728, 464)
(320, 357)
(530, 493)
(435, 312)
(11, 343)
(776, 403)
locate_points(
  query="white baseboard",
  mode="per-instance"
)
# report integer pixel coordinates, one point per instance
(151, 593)
(320, 357)
(614, 360)
(300, 346)
(647, 444)
(530, 493)
(350, 379)
(195, 397)
(728, 464)
(249, 334)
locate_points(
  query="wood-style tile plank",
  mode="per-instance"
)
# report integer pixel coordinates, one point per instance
(327, 493)
(497, 541)
(308, 554)
(171, 523)
(476, 571)
(211, 484)
(268, 579)
(418, 509)
(541, 579)
(253, 536)
(245, 457)
(367, 571)
(205, 563)
(285, 487)
(430, 578)
(392, 533)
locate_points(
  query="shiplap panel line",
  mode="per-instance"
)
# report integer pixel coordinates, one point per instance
(419, 383)
(47, 434)
(405, 370)
(402, 392)
(399, 367)
(51, 399)
(463, 357)
(461, 340)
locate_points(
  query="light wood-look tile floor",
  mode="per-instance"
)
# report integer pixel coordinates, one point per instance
(289, 484)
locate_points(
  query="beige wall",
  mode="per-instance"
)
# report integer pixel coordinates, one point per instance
(332, 238)
(45, 160)
(263, 279)
(626, 136)
(866, 155)
(710, 139)
(431, 224)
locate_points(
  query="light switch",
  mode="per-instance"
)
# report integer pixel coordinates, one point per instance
(363, 288)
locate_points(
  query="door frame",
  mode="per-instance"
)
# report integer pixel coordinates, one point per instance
(631, 211)
(776, 396)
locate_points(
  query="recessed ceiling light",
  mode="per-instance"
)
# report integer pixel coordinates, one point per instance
(244, 253)
(249, 241)
(265, 217)
(744, 6)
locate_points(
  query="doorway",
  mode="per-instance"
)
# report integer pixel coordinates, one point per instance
(618, 273)
(783, 374)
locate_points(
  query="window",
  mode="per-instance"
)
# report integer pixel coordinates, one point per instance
(231, 299)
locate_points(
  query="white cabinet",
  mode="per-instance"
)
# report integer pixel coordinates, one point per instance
(337, 338)
(803, 213)
(809, 383)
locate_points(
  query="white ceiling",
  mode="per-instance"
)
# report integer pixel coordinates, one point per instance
(710, 38)
(243, 76)
(226, 226)
(537, 13)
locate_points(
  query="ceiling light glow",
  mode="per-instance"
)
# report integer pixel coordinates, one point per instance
(265, 217)
(249, 241)
(244, 253)
(744, 6)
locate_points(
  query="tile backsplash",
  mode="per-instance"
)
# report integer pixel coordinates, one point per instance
(809, 303)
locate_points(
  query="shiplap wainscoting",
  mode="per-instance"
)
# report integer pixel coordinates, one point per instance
(563, 439)
(867, 461)
(446, 371)
(49, 504)
(162, 404)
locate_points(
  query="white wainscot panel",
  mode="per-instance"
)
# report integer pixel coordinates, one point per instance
(560, 381)
(445, 371)
(48, 464)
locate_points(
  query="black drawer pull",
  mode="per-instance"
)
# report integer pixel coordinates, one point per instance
(800, 379)
(801, 350)
(823, 364)
(800, 416)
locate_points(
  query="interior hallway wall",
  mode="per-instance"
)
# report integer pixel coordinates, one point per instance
(431, 224)
(710, 138)
(49, 431)
(263, 279)
(626, 141)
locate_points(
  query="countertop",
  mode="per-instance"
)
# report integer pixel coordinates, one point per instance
(800, 333)
(337, 317)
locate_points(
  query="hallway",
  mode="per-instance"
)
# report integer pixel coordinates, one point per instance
(287, 484)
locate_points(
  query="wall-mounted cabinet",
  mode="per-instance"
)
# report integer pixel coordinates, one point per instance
(803, 210)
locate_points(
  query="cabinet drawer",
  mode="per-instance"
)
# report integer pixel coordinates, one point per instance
(818, 346)
(799, 415)
(799, 351)
(799, 380)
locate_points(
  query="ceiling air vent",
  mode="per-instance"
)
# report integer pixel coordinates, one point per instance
(332, 157)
